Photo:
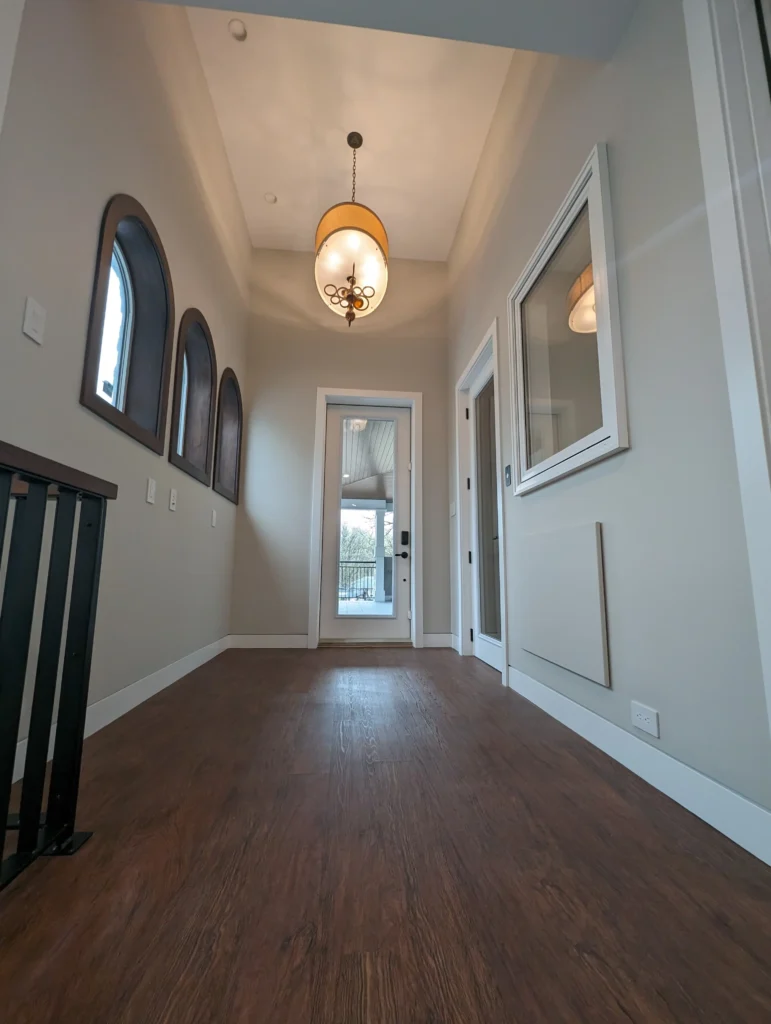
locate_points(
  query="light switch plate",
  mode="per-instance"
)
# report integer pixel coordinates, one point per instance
(34, 325)
(173, 499)
(150, 499)
(214, 517)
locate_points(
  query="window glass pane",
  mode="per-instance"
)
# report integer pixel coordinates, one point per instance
(113, 355)
(365, 571)
(183, 405)
(487, 513)
(559, 340)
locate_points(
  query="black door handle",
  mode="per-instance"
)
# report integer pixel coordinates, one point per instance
(403, 554)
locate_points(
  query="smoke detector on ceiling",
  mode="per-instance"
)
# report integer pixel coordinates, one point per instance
(237, 29)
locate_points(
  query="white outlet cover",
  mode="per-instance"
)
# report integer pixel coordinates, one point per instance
(645, 718)
(34, 325)
(150, 499)
(173, 499)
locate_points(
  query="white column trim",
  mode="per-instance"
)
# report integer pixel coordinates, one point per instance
(733, 115)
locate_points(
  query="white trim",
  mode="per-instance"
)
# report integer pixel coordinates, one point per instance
(487, 354)
(438, 640)
(103, 712)
(743, 821)
(10, 24)
(353, 396)
(591, 187)
(275, 641)
(733, 118)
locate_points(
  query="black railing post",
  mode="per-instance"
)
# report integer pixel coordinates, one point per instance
(47, 672)
(15, 629)
(68, 747)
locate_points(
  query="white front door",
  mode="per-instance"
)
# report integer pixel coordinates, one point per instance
(366, 540)
(485, 542)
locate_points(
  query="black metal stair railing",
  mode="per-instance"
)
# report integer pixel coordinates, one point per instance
(27, 484)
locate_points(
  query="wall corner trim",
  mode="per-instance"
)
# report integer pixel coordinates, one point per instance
(746, 823)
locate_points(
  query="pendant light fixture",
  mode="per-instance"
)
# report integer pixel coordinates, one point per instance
(351, 255)
(582, 310)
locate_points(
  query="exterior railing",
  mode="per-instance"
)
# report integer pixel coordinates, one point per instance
(356, 581)
(29, 484)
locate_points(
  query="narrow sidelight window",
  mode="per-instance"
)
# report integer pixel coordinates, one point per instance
(192, 448)
(128, 349)
(227, 466)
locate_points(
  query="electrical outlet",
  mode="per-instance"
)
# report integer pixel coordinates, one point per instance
(173, 499)
(34, 321)
(214, 517)
(150, 498)
(645, 718)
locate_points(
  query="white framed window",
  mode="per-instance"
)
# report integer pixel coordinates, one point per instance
(117, 330)
(565, 340)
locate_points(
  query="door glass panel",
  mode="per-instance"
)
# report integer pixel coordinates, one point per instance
(563, 401)
(366, 553)
(487, 514)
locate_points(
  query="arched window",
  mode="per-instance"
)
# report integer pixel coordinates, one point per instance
(130, 332)
(192, 440)
(227, 466)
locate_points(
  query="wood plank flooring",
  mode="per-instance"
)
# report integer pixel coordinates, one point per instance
(373, 836)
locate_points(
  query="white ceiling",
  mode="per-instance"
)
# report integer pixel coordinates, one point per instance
(287, 97)
(573, 28)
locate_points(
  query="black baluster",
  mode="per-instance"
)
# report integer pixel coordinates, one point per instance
(47, 671)
(68, 748)
(6, 478)
(15, 628)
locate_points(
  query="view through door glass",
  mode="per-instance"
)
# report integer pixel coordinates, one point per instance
(487, 514)
(366, 559)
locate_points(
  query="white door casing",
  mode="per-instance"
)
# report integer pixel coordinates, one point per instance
(484, 364)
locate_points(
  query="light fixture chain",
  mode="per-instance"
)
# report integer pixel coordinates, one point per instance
(353, 192)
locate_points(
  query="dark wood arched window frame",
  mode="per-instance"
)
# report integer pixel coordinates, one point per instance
(148, 367)
(196, 419)
(230, 422)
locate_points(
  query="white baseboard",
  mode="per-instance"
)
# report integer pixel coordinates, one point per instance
(743, 821)
(102, 712)
(438, 640)
(268, 640)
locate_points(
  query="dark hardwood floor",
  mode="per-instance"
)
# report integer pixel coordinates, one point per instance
(375, 836)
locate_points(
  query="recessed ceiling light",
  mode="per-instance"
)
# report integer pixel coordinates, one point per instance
(237, 29)
(346, 476)
(271, 197)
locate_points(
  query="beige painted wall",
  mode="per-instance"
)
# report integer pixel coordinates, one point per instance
(681, 623)
(297, 346)
(89, 114)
